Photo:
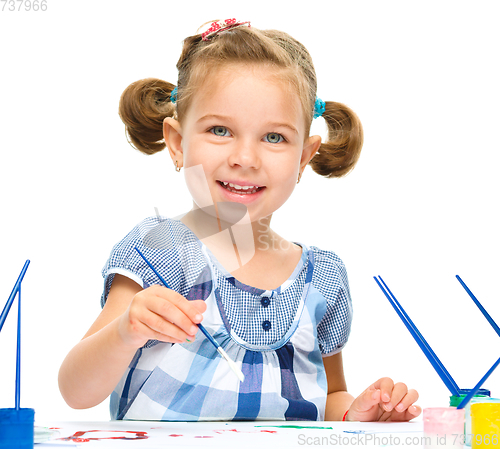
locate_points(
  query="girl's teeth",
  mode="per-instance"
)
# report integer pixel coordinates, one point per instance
(242, 190)
(236, 186)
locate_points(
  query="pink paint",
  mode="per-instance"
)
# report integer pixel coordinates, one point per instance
(442, 425)
(175, 435)
(76, 437)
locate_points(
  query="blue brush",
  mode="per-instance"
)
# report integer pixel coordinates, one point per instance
(16, 424)
(478, 386)
(12, 296)
(18, 352)
(422, 343)
(16, 291)
(221, 351)
(480, 307)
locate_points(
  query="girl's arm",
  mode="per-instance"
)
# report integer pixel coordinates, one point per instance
(338, 399)
(130, 317)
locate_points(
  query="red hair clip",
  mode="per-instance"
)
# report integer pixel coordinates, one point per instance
(220, 26)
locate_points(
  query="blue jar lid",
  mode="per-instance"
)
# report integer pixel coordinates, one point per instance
(17, 428)
(481, 391)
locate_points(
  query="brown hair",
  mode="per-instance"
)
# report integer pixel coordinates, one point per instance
(145, 103)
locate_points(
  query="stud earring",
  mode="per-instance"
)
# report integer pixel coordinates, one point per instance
(177, 168)
(298, 180)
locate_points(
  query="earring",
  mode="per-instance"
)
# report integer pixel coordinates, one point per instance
(177, 168)
(298, 180)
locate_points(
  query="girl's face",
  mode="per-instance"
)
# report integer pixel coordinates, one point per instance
(246, 129)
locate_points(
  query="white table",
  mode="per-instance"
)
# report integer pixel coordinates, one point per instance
(235, 435)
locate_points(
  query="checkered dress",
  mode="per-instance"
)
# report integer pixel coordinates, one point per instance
(278, 337)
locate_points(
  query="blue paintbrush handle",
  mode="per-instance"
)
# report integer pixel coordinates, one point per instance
(202, 328)
(417, 336)
(445, 372)
(478, 386)
(12, 296)
(480, 307)
(18, 352)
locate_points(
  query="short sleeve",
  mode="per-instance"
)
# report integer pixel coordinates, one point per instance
(167, 244)
(330, 278)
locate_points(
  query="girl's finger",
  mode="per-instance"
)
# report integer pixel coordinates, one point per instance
(187, 307)
(406, 401)
(385, 385)
(366, 400)
(174, 310)
(167, 330)
(399, 391)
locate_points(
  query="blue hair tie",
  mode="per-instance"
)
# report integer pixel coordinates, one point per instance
(173, 95)
(319, 107)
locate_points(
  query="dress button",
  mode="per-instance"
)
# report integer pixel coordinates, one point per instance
(266, 325)
(265, 302)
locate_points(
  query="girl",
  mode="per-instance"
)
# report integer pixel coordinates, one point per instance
(238, 123)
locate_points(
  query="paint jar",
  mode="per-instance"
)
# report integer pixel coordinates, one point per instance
(17, 428)
(468, 422)
(485, 424)
(455, 400)
(443, 428)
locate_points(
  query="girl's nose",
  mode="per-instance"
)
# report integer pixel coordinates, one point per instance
(244, 154)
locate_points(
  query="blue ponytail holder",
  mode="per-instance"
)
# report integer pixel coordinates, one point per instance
(173, 95)
(319, 107)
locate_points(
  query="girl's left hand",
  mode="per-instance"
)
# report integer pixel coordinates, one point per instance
(384, 401)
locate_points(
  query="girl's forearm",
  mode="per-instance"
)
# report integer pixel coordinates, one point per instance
(93, 367)
(337, 404)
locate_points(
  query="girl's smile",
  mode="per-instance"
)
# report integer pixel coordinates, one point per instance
(241, 192)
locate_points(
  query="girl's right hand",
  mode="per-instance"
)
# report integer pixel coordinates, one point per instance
(158, 313)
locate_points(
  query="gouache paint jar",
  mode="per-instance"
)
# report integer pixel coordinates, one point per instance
(455, 400)
(17, 428)
(468, 422)
(485, 424)
(443, 428)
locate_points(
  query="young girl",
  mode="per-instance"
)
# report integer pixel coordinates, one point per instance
(238, 123)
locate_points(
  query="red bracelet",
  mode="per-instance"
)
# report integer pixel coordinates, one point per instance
(345, 414)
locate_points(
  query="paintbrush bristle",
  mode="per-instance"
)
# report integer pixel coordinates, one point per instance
(232, 365)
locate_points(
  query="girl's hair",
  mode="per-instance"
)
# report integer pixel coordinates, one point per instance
(145, 103)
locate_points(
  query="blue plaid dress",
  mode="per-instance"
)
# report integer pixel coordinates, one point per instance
(278, 337)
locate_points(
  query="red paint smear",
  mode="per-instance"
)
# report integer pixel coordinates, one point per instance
(76, 436)
(244, 431)
(175, 435)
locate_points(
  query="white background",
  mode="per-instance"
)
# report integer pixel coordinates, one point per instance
(420, 207)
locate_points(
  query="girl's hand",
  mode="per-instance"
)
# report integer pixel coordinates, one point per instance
(384, 401)
(158, 313)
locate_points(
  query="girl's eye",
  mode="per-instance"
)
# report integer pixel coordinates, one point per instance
(220, 131)
(274, 138)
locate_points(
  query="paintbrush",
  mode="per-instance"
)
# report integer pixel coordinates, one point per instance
(422, 343)
(478, 386)
(479, 306)
(217, 346)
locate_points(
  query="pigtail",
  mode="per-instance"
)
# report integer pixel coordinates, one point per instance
(143, 107)
(339, 154)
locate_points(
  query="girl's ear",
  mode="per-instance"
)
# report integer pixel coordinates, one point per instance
(172, 133)
(311, 146)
